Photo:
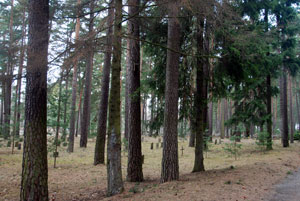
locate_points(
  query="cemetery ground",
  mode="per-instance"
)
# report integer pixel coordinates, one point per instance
(251, 177)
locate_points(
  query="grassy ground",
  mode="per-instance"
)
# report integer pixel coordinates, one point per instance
(250, 177)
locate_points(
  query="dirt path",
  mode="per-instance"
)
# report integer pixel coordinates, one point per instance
(289, 189)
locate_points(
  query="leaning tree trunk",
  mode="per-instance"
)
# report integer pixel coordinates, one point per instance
(34, 184)
(284, 112)
(170, 166)
(134, 165)
(86, 116)
(199, 104)
(74, 88)
(114, 169)
(102, 118)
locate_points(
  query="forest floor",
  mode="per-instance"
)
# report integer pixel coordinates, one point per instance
(251, 177)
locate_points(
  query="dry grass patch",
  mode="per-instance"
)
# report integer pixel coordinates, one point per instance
(249, 178)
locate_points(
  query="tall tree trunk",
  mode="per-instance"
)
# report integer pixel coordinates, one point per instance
(102, 118)
(291, 109)
(114, 169)
(65, 106)
(34, 184)
(170, 166)
(275, 116)
(269, 93)
(284, 112)
(88, 82)
(58, 118)
(8, 79)
(191, 116)
(66, 93)
(74, 87)
(269, 113)
(134, 165)
(19, 82)
(126, 88)
(79, 112)
(199, 101)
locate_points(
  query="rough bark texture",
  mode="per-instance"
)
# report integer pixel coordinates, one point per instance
(86, 116)
(199, 104)
(134, 165)
(74, 90)
(170, 166)
(102, 118)
(284, 112)
(34, 184)
(114, 169)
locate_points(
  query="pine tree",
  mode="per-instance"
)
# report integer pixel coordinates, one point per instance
(114, 169)
(134, 167)
(34, 184)
(170, 166)
(102, 118)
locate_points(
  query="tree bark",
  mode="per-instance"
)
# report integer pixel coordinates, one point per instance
(114, 169)
(102, 118)
(74, 88)
(199, 103)
(134, 165)
(170, 166)
(34, 184)
(88, 82)
(284, 112)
